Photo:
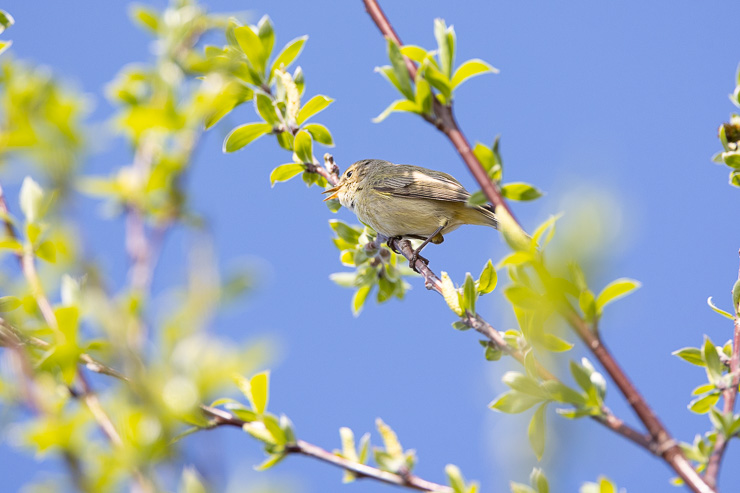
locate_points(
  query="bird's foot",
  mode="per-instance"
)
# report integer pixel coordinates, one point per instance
(414, 258)
(391, 244)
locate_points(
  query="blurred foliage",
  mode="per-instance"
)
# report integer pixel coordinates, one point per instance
(729, 137)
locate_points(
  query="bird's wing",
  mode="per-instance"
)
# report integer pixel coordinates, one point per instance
(413, 183)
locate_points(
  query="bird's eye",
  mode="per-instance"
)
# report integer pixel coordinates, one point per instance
(349, 173)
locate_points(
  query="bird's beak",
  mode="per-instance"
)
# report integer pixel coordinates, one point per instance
(334, 192)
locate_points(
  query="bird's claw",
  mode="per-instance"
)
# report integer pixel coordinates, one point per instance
(391, 243)
(414, 258)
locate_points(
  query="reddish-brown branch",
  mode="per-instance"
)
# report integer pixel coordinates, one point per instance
(220, 417)
(662, 444)
(661, 441)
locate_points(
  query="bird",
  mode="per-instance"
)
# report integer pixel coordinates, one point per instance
(402, 201)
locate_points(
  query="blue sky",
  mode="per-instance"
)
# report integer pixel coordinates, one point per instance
(617, 102)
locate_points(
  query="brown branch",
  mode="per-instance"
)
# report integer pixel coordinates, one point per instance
(662, 444)
(730, 396)
(220, 417)
(661, 440)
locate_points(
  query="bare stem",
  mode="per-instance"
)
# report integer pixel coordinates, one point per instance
(301, 447)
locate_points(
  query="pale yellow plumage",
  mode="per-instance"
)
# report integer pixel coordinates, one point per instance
(404, 201)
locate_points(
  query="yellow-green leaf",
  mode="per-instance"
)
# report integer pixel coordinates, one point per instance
(244, 134)
(469, 69)
(285, 172)
(615, 290)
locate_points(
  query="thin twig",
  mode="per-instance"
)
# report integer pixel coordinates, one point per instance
(220, 417)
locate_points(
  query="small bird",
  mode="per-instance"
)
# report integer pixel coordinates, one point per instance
(403, 201)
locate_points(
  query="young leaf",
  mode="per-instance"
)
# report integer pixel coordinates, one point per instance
(690, 354)
(9, 303)
(285, 172)
(263, 105)
(400, 70)
(711, 358)
(469, 294)
(488, 279)
(251, 45)
(615, 290)
(244, 134)
(397, 105)
(469, 69)
(288, 54)
(312, 107)
(358, 300)
(536, 431)
(520, 191)
(514, 402)
(446, 43)
(303, 147)
(31, 199)
(454, 478)
(702, 405)
(415, 53)
(320, 134)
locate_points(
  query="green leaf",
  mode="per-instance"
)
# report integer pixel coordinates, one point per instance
(358, 300)
(347, 233)
(320, 134)
(615, 290)
(538, 479)
(260, 386)
(554, 343)
(523, 297)
(31, 199)
(469, 69)
(288, 54)
(736, 298)
(263, 105)
(11, 244)
(244, 134)
(546, 229)
(581, 376)
(690, 354)
(303, 147)
(6, 20)
(397, 105)
(469, 294)
(520, 191)
(446, 43)
(4, 45)
(562, 393)
(399, 69)
(266, 34)
(513, 234)
(271, 461)
(47, 251)
(313, 106)
(9, 303)
(285, 172)
(711, 358)
(438, 80)
(477, 199)
(251, 45)
(587, 303)
(521, 488)
(454, 478)
(702, 405)
(423, 96)
(415, 53)
(513, 402)
(146, 17)
(536, 431)
(524, 384)
(488, 279)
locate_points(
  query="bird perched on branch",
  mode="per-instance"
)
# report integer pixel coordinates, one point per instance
(403, 201)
